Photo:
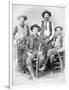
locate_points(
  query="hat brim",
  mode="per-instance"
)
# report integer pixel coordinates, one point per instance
(58, 27)
(49, 13)
(36, 26)
(25, 17)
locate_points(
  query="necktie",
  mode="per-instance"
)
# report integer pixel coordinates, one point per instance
(45, 25)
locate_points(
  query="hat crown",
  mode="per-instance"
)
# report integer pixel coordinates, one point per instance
(23, 16)
(36, 26)
(46, 11)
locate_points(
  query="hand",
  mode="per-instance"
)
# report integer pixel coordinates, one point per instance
(30, 50)
(14, 41)
(53, 43)
(59, 50)
(18, 41)
(39, 53)
(29, 54)
(47, 40)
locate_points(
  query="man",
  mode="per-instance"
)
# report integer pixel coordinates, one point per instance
(20, 34)
(21, 30)
(57, 45)
(47, 31)
(33, 45)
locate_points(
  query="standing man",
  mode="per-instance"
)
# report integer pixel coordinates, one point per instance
(21, 32)
(47, 31)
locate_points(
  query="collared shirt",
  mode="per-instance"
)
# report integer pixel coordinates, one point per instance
(46, 28)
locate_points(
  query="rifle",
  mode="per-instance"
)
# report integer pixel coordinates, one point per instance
(37, 62)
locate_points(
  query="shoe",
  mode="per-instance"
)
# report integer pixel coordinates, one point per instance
(43, 68)
(30, 77)
(34, 79)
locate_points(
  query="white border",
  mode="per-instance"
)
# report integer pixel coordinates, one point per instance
(10, 45)
(10, 33)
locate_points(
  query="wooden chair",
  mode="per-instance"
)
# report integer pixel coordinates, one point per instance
(36, 65)
(59, 62)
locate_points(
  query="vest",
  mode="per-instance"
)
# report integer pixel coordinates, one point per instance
(22, 32)
(48, 31)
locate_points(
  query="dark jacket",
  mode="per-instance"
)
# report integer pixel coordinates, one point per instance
(33, 43)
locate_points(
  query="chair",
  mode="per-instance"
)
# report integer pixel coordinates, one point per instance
(58, 61)
(36, 66)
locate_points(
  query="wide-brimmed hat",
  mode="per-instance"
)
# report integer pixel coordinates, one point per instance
(58, 27)
(23, 16)
(35, 25)
(46, 11)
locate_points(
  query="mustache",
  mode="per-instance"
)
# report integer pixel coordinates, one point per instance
(47, 17)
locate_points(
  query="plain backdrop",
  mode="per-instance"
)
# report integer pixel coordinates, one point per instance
(4, 46)
(34, 15)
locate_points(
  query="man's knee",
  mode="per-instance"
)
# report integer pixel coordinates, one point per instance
(49, 53)
(29, 67)
(28, 61)
(51, 58)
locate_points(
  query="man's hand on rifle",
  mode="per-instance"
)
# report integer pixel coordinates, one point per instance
(40, 52)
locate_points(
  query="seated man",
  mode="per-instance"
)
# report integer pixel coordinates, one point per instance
(33, 45)
(57, 45)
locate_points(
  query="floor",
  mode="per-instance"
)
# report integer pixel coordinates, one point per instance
(23, 79)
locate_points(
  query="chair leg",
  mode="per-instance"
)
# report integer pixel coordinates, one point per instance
(37, 73)
(60, 61)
